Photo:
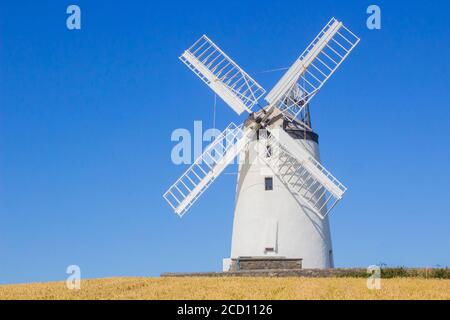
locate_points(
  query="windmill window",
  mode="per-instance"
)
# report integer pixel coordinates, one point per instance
(268, 151)
(268, 183)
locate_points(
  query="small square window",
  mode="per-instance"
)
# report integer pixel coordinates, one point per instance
(268, 183)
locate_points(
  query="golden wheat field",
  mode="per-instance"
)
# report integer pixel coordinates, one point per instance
(232, 288)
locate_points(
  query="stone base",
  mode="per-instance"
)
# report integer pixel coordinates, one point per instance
(307, 273)
(264, 263)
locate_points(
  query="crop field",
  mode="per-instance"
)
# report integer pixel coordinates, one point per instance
(233, 288)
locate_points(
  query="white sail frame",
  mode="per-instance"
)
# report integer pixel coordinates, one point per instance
(312, 69)
(199, 176)
(308, 180)
(229, 81)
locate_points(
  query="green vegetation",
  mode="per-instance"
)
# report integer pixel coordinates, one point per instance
(401, 272)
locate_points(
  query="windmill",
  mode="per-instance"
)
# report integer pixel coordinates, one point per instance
(284, 193)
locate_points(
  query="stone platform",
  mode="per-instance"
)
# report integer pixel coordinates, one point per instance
(307, 273)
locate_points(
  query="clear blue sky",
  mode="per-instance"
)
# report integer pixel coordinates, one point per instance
(86, 118)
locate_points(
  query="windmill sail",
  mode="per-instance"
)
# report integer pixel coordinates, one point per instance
(307, 180)
(217, 156)
(222, 75)
(314, 67)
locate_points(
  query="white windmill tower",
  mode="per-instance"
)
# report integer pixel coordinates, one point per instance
(283, 193)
